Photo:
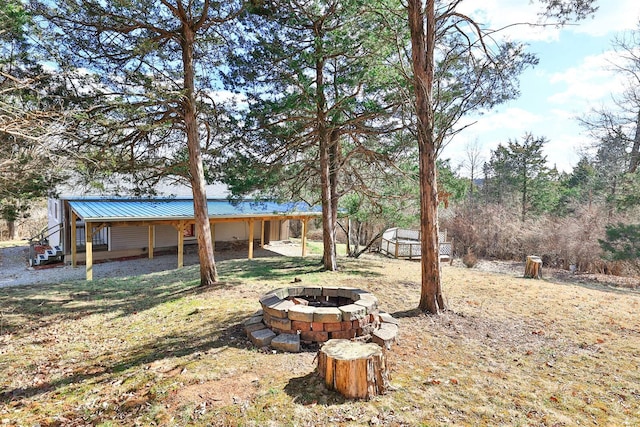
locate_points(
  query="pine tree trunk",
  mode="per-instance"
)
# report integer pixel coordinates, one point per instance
(422, 52)
(326, 190)
(348, 233)
(328, 231)
(208, 271)
(334, 167)
(11, 226)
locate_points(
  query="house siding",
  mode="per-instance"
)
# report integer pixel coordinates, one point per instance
(279, 230)
(128, 238)
(136, 237)
(167, 236)
(236, 231)
(54, 217)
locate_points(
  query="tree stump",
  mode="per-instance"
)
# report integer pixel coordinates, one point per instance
(533, 267)
(354, 369)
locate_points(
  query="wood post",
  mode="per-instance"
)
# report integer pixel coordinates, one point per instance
(533, 267)
(74, 244)
(213, 235)
(354, 369)
(304, 236)
(88, 239)
(251, 231)
(151, 240)
(181, 226)
(262, 234)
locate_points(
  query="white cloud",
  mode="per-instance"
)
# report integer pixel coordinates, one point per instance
(591, 82)
(498, 14)
(612, 16)
(563, 151)
(509, 119)
(228, 96)
(492, 129)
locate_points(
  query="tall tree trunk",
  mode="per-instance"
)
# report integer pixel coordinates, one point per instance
(634, 160)
(422, 53)
(348, 233)
(11, 226)
(334, 167)
(328, 224)
(208, 271)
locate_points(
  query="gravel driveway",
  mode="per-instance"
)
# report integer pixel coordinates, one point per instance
(15, 270)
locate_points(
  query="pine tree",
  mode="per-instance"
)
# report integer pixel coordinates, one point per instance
(153, 65)
(321, 95)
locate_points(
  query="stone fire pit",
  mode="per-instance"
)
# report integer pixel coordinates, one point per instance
(313, 315)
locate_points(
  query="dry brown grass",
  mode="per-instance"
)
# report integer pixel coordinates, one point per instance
(157, 349)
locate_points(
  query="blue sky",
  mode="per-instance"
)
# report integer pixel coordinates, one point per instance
(573, 77)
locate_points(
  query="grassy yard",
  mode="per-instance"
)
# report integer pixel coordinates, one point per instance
(158, 350)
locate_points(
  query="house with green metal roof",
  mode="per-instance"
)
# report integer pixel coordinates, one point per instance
(87, 229)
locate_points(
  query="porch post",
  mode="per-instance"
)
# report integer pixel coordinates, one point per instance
(74, 244)
(88, 238)
(181, 244)
(304, 236)
(151, 240)
(262, 234)
(213, 235)
(251, 230)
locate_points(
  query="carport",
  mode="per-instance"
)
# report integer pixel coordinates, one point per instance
(98, 213)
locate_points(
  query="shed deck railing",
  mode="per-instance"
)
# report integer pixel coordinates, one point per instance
(405, 243)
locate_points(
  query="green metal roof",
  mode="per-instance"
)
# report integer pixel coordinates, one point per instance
(136, 209)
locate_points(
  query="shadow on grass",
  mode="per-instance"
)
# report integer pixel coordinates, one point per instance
(41, 305)
(165, 347)
(412, 312)
(268, 268)
(286, 269)
(593, 285)
(37, 306)
(310, 389)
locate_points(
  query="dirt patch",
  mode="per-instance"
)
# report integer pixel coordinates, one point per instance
(233, 390)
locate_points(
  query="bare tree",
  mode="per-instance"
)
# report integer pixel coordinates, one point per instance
(622, 123)
(472, 163)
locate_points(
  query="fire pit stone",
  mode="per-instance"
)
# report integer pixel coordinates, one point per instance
(317, 314)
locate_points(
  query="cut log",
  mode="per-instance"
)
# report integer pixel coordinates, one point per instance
(354, 369)
(533, 267)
